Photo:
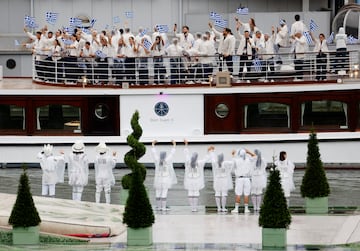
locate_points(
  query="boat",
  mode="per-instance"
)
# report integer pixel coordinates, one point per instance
(272, 112)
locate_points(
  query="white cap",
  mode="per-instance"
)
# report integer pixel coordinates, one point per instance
(78, 146)
(101, 147)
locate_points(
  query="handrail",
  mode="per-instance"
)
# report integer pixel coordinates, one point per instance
(193, 69)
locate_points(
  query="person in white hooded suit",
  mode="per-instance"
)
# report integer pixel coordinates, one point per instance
(194, 176)
(258, 179)
(104, 178)
(52, 168)
(78, 169)
(165, 176)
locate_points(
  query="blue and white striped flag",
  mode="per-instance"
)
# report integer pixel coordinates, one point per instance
(129, 14)
(69, 30)
(75, 22)
(351, 39)
(92, 22)
(282, 22)
(51, 17)
(67, 41)
(100, 54)
(242, 11)
(86, 31)
(147, 44)
(17, 43)
(330, 39)
(116, 20)
(220, 23)
(30, 22)
(313, 26)
(257, 64)
(215, 16)
(143, 32)
(308, 37)
(162, 28)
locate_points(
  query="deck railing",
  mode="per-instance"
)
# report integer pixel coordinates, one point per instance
(194, 69)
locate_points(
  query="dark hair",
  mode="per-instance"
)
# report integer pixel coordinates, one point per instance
(121, 31)
(228, 30)
(297, 17)
(282, 155)
(185, 26)
(87, 42)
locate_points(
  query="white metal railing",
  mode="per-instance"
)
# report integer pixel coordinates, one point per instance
(180, 70)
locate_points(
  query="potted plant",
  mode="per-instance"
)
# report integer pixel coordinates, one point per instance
(274, 216)
(138, 214)
(315, 187)
(24, 216)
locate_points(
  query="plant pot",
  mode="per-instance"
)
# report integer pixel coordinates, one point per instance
(139, 236)
(25, 235)
(124, 194)
(317, 205)
(274, 238)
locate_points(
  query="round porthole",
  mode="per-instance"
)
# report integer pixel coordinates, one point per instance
(10, 63)
(222, 110)
(102, 111)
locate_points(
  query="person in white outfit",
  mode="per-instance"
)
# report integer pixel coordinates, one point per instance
(52, 168)
(104, 178)
(165, 176)
(242, 171)
(321, 50)
(281, 38)
(342, 56)
(286, 168)
(194, 176)
(78, 169)
(222, 178)
(258, 180)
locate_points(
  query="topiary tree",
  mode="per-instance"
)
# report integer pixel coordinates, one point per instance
(24, 212)
(274, 212)
(314, 183)
(137, 151)
(138, 211)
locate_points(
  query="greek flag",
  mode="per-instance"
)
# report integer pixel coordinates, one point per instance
(147, 44)
(116, 20)
(257, 64)
(69, 30)
(143, 32)
(51, 17)
(215, 16)
(162, 28)
(17, 43)
(220, 23)
(330, 39)
(30, 22)
(313, 26)
(242, 11)
(100, 54)
(86, 31)
(92, 22)
(351, 40)
(282, 22)
(308, 37)
(129, 14)
(67, 41)
(75, 22)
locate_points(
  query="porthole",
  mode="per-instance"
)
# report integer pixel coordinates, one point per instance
(102, 111)
(10, 63)
(222, 110)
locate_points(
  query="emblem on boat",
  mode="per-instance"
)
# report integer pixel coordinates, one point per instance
(161, 108)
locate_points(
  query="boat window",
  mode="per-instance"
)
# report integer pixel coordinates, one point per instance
(267, 115)
(12, 117)
(102, 111)
(222, 110)
(324, 113)
(58, 117)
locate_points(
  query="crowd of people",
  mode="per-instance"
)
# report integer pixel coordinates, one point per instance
(248, 169)
(120, 56)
